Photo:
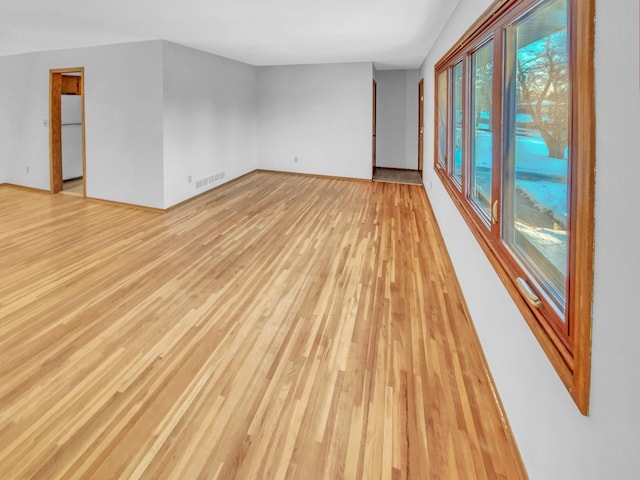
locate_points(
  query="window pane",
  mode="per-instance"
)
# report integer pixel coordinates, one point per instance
(482, 142)
(442, 119)
(536, 193)
(457, 122)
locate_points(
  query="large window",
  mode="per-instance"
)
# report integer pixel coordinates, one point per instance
(515, 115)
(537, 153)
(481, 158)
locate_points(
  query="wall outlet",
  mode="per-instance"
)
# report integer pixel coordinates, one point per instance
(28, 169)
(189, 179)
(295, 159)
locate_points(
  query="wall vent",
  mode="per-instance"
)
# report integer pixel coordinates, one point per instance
(206, 181)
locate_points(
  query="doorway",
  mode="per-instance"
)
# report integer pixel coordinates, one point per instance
(67, 131)
(399, 154)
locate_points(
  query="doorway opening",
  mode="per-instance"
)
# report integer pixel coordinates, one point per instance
(400, 159)
(67, 131)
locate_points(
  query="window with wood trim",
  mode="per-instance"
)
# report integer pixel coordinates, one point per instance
(515, 150)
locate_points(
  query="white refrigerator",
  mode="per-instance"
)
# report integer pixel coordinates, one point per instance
(71, 136)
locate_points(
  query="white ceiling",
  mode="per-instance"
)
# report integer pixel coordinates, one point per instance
(390, 33)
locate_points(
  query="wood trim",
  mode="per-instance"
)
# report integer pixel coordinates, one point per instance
(436, 120)
(498, 140)
(84, 137)
(374, 126)
(567, 345)
(22, 187)
(56, 79)
(477, 28)
(582, 251)
(125, 204)
(55, 130)
(317, 175)
(68, 70)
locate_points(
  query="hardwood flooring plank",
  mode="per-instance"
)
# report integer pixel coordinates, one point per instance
(278, 327)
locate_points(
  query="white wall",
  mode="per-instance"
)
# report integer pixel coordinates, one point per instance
(397, 125)
(159, 114)
(555, 440)
(319, 114)
(209, 120)
(123, 113)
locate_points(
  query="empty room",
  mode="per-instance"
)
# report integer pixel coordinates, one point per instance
(319, 240)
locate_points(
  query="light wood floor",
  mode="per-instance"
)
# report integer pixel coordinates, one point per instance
(73, 187)
(279, 326)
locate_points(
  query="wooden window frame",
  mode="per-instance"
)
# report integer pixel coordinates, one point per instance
(462, 63)
(566, 343)
(486, 219)
(445, 160)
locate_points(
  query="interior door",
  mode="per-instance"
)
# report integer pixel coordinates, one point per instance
(420, 126)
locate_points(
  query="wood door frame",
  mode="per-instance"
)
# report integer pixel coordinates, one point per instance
(55, 128)
(374, 125)
(421, 126)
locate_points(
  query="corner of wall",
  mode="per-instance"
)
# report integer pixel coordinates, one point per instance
(208, 121)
